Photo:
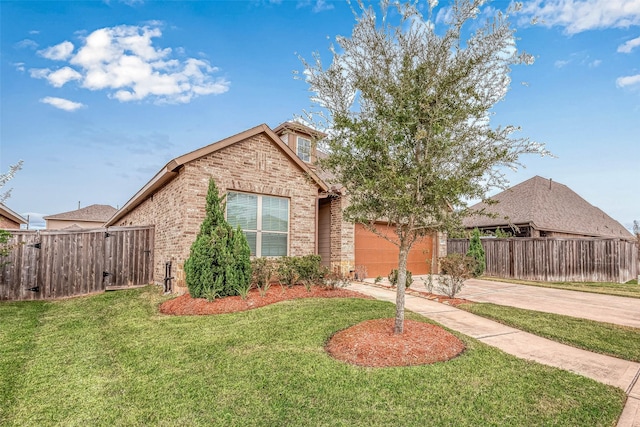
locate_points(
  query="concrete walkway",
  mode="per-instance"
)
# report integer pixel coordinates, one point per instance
(598, 307)
(605, 369)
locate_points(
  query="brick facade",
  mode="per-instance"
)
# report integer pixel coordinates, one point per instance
(253, 165)
(8, 224)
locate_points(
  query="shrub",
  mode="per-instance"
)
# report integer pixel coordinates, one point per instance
(263, 269)
(335, 280)
(476, 252)
(5, 247)
(287, 272)
(393, 278)
(360, 272)
(456, 268)
(219, 261)
(310, 270)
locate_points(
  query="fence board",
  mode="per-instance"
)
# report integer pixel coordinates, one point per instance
(72, 263)
(558, 260)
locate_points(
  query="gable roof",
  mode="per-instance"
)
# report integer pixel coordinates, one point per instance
(547, 205)
(170, 170)
(8, 213)
(95, 213)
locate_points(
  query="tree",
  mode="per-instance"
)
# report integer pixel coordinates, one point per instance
(476, 251)
(407, 111)
(636, 230)
(6, 177)
(5, 247)
(219, 262)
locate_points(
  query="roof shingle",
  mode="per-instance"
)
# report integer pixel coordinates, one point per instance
(89, 213)
(547, 205)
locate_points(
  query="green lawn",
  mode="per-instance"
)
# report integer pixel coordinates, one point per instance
(619, 289)
(605, 338)
(112, 359)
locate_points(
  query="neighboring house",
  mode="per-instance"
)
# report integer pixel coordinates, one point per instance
(540, 207)
(273, 191)
(93, 216)
(9, 220)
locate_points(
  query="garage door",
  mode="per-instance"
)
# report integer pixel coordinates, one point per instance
(381, 256)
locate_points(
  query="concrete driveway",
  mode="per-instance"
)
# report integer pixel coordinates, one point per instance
(602, 308)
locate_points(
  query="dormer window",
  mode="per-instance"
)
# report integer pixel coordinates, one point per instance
(304, 149)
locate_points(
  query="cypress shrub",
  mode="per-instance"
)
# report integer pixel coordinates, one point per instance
(219, 260)
(476, 251)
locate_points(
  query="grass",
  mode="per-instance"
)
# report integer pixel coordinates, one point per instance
(629, 289)
(111, 359)
(604, 338)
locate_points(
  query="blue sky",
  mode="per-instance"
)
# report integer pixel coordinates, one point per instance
(97, 96)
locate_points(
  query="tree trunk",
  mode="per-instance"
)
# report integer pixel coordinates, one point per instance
(400, 290)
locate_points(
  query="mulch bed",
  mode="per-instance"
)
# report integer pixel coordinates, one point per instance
(370, 343)
(185, 305)
(373, 343)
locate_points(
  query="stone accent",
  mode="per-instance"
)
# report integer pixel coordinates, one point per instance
(342, 238)
(254, 165)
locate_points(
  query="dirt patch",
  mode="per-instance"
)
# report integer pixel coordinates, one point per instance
(371, 343)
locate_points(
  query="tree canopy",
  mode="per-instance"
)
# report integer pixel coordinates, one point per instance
(406, 103)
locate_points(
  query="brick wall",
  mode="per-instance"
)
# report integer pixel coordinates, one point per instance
(255, 165)
(7, 224)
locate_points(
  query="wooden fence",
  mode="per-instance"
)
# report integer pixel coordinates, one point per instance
(557, 260)
(48, 264)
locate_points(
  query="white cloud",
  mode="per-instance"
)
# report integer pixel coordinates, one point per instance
(595, 63)
(628, 81)
(39, 73)
(582, 15)
(124, 61)
(19, 66)
(629, 45)
(61, 103)
(59, 52)
(26, 44)
(560, 63)
(63, 75)
(321, 6)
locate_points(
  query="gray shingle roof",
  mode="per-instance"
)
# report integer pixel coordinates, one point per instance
(548, 205)
(89, 213)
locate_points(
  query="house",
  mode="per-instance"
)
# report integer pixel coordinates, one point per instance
(93, 216)
(273, 191)
(540, 207)
(9, 220)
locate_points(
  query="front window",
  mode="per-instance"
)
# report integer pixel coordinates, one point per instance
(304, 149)
(264, 220)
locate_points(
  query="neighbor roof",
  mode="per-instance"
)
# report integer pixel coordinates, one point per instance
(90, 213)
(547, 205)
(8, 213)
(171, 169)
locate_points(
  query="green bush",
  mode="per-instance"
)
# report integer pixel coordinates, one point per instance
(219, 261)
(5, 247)
(287, 272)
(393, 278)
(263, 270)
(476, 252)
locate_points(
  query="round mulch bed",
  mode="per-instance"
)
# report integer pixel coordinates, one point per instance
(373, 343)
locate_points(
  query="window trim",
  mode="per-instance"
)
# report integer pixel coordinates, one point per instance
(258, 229)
